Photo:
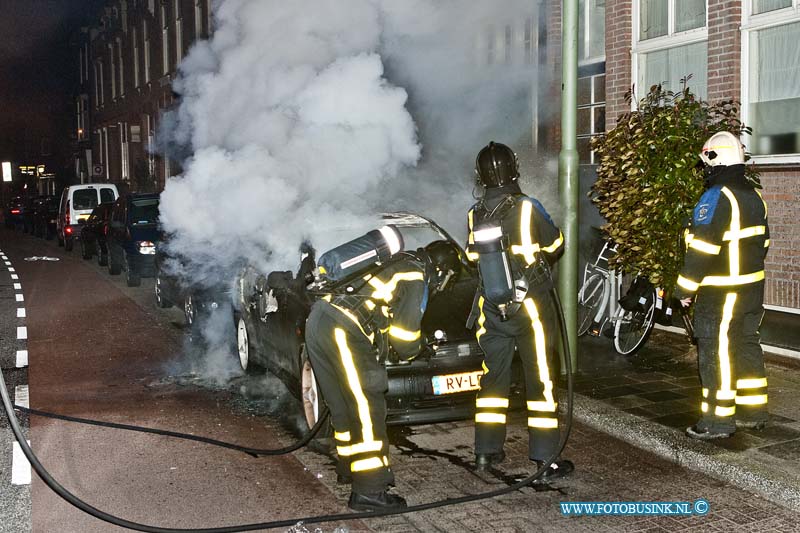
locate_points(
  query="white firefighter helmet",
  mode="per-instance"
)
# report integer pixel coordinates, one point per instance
(722, 149)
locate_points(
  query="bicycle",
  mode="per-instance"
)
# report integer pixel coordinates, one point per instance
(633, 316)
(599, 305)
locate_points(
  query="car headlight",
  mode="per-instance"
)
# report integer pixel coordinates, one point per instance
(146, 247)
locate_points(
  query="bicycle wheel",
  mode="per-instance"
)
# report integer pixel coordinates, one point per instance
(632, 328)
(589, 298)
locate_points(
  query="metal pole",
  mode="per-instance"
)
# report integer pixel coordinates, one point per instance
(569, 183)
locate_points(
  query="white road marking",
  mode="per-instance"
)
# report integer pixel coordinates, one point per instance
(20, 312)
(18, 286)
(20, 298)
(14, 276)
(22, 333)
(20, 467)
(8, 263)
(22, 358)
(11, 269)
(22, 396)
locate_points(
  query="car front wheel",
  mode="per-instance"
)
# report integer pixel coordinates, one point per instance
(132, 276)
(161, 302)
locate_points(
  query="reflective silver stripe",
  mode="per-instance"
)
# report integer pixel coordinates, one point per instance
(384, 291)
(489, 403)
(705, 247)
(725, 394)
(541, 406)
(361, 447)
(755, 399)
(722, 348)
(490, 418)
(527, 248)
(546, 423)
(751, 383)
(488, 234)
(541, 354)
(344, 437)
(727, 281)
(366, 464)
(736, 224)
(481, 320)
(724, 411)
(403, 335)
(744, 233)
(688, 284)
(355, 384)
(556, 244)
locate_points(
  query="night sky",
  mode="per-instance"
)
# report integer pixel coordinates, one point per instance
(38, 72)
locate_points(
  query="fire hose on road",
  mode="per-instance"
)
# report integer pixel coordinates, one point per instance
(101, 515)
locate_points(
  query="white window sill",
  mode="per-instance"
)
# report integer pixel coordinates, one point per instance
(786, 159)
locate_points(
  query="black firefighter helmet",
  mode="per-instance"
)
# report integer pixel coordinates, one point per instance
(445, 263)
(496, 165)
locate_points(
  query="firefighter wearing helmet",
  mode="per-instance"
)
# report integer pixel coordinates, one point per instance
(513, 241)
(723, 275)
(376, 316)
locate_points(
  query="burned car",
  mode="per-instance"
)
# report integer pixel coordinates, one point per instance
(438, 385)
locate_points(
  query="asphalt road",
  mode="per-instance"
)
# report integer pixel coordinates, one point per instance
(101, 350)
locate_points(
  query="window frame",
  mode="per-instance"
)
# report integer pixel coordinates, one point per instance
(751, 23)
(672, 39)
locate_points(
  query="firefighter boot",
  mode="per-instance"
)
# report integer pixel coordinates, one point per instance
(486, 460)
(380, 501)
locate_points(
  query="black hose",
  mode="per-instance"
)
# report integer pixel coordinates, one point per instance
(254, 452)
(101, 515)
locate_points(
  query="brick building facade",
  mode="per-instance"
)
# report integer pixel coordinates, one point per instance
(127, 65)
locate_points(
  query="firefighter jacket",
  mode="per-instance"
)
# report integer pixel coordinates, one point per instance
(531, 232)
(387, 305)
(727, 242)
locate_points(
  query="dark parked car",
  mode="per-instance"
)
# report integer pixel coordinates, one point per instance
(15, 212)
(177, 284)
(132, 236)
(45, 215)
(93, 234)
(440, 384)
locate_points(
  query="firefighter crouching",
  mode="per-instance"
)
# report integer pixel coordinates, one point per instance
(348, 337)
(723, 273)
(513, 240)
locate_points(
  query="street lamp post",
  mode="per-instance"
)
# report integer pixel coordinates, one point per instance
(568, 171)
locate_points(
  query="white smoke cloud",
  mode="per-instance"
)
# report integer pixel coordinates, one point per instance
(298, 119)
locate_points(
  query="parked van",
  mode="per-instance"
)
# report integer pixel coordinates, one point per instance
(77, 203)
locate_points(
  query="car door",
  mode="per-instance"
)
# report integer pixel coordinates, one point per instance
(116, 228)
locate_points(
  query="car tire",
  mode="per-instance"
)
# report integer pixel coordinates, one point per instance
(245, 348)
(60, 240)
(102, 257)
(132, 277)
(161, 302)
(68, 244)
(86, 252)
(311, 401)
(114, 268)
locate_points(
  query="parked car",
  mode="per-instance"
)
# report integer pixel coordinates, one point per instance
(93, 234)
(14, 212)
(440, 384)
(132, 236)
(45, 216)
(177, 284)
(75, 206)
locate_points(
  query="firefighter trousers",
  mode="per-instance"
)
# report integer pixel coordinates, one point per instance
(731, 365)
(529, 332)
(353, 384)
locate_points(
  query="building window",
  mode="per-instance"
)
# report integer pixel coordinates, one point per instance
(99, 84)
(151, 5)
(198, 19)
(135, 46)
(771, 79)
(528, 41)
(164, 40)
(591, 30)
(591, 114)
(210, 15)
(146, 51)
(178, 32)
(113, 71)
(508, 40)
(670, 44)
(121, 68)
(123, 151)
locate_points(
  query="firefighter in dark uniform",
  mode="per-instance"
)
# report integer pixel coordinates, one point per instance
(532, 242)
(723, 273)
(348, 338)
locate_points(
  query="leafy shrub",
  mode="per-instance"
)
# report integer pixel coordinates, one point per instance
(648, 177)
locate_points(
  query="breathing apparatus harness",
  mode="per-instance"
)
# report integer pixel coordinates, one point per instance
(331, 288)
(505, 280)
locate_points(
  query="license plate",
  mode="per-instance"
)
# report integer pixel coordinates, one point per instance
(452, 383)
(82, 218)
